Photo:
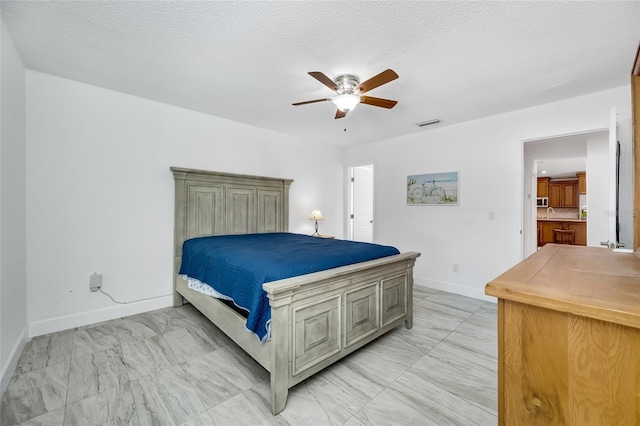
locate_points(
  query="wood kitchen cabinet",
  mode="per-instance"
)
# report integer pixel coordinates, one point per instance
(582, 182)
(546, 231)
(543, 187)
(546, 227)
(563, 193)
(581, 232)
(554, 195)
(569, 338)
(569, 194)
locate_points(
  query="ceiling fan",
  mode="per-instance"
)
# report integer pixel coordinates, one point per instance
(349, 91)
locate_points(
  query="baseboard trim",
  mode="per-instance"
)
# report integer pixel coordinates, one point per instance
(454, 288)
(66, 322)
(14, 357)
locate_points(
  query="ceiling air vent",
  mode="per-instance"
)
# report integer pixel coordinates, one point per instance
(427, 123)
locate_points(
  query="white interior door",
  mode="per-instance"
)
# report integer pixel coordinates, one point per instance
(362, 215)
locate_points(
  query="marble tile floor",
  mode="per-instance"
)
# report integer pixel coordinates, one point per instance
(172, 367)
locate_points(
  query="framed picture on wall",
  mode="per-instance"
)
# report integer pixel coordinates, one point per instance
(433, 189)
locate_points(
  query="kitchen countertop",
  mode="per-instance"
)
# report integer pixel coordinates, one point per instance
(559, 219)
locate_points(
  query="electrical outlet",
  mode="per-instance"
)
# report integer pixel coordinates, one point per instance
(455, 267)
(95, 282)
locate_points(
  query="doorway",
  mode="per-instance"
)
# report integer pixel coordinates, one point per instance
(601, 176)
(361, 203)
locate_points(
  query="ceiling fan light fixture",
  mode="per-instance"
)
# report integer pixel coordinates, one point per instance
(346, 102)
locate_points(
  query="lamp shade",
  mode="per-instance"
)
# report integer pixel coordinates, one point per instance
(316, 215)
(346, 102)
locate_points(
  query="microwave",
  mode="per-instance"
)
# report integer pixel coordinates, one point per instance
(543, 202)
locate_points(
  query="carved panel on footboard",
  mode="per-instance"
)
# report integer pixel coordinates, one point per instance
(317, 333)
(394, 298)
(361, 313)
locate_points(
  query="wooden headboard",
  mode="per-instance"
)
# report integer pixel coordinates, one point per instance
(215, 203)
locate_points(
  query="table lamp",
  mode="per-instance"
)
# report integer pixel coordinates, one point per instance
(316, 215)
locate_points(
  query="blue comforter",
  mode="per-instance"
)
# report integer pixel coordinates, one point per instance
(238, 265)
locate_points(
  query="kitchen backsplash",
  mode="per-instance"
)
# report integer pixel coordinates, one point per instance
(558, 213)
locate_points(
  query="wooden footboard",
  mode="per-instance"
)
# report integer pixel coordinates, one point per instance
(319, 318)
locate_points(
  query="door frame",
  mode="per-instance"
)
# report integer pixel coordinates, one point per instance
(635, 143)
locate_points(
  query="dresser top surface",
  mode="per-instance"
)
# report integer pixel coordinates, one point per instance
(588, 281)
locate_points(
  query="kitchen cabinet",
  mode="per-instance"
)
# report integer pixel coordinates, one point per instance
(554, 195)
(569, 338)
(563, 193)
(581, 232)
(546, 227)
(543, 187)
(582, 182)
(546, 231)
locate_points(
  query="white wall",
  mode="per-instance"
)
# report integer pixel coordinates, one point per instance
(488, 154)
(13, 289)
(100, 193)
(598, 212)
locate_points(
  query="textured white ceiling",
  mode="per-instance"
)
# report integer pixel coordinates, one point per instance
(248, 61)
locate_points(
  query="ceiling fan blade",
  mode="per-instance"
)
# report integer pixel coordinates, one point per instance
(383, 78)
(379, 102)
(324, 80)
(340, 114)
(311, 102)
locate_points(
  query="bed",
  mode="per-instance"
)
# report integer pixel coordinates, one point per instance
(316, 318)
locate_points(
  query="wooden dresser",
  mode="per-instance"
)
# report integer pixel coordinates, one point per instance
(569, 338)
